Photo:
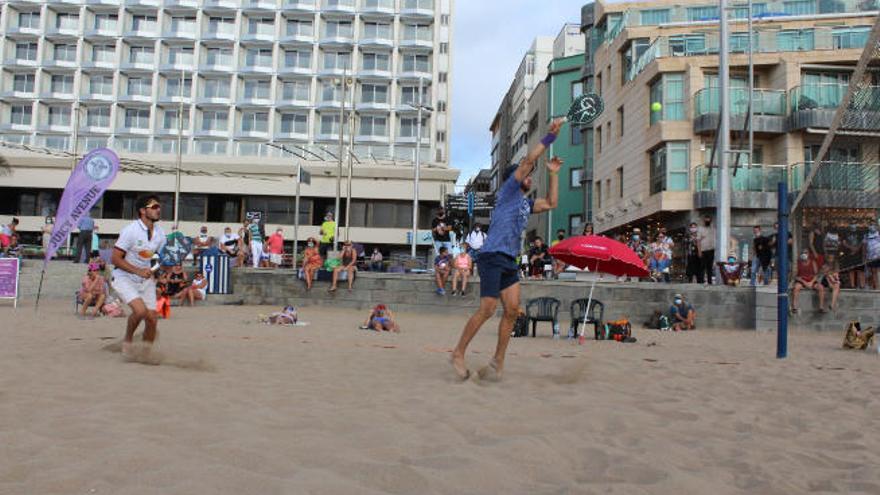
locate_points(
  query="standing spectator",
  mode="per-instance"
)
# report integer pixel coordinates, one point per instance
(442, 268)
(706, 236)
(93, 290)
(348, 258)
(312, 262)
(96, 241)
(660, 261)
(762, 254)
(463, 265)
(853, 258)
(807, 277)
(774, 240)
(84, 240)
(559, 266)
(475, 240)
(6, 233)
(256, 236)
(275, 247)
(440, 230)
(830, 276)
(666, 242)
(230, 245)
(730, 270)
(871, 252)
(588, 229)
(639, 246)
(693, 255)
(538, 257)
(816, 241)
(682, 314)
(328, 233)
(376, 264)
(201, 243)
(245, 235)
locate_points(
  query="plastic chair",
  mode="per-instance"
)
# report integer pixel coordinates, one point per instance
(596, 315)
(543, 309)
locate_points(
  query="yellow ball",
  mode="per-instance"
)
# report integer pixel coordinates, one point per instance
(656, 106)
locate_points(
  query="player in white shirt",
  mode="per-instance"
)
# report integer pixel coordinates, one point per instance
(132, 276)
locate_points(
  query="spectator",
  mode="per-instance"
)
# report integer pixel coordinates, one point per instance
(559, 266)
(348, 264)
(871, 252)
(328, 233)
(475, 240)
(381, 319)
(376, 264)
(47, 233)
(84, 239)
(163, 299)
(102, 265)
(638, 245)
(256, 236)
(93, 290)
(693, 255)
(816, 241)
(196, 291)
(201, 243)
(853, 257)
(524, 262)
(230, 245)
(464, 265)
(96, 241)
(312, 262)
(175, 281)
(275, 247)
(538, 257)
(588, 229)
(774, 239)
(440, 230)
(807, 277)
(660, 262)
(762, 255)
(831, 241)
(245, 235)
(560, 236)
(706, 236)
(730, 270)
(442, 268)
(830, 275)
(682, 314)
(13, 249)
(6, 233)
(666, 242)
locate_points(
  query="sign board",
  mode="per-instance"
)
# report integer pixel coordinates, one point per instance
(423, 238)
(461, 202)
(585, 109)
(9, 273)
(253, 214)
(471, 203)
(305, 177)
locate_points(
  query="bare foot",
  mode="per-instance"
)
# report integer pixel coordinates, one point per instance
(491, 372)
(127, 349)
(460, 367)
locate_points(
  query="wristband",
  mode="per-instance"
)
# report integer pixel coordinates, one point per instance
(554, 173)
(548, 140)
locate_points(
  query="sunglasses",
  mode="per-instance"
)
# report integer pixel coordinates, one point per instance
(154, 207)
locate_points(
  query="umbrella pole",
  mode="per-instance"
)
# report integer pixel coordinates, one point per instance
(587, 310)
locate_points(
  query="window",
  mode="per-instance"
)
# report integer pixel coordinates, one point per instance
(668, 90)
(98, 117)
(141, 54)
(629, 58)
(758, 10)
(420, 32)
(67, 21)
(374, 93)
(21, 114)
(29, 20)
(296, 90)
(143, 23)
(598, 139)
(574, 178)
(377, 30)
(106, 22)
(257, 88)
(620, 119)
(619, 182)
(217, 87)
(371, 125)
(57, 142)
(799, 7)
(331, 92)
(255, 121)
(599, 84)
(23, 83)
(258, 57)
(669, 167)
(92, 143)
(298, 59)
(133, 144)
(416, 63)
(170, 119)
(261, 26)
(65, 53)
(444, 19)
(59, 116)
(850, 37)
(140, 86)
(376, 61)
(577, 137)
(577, 89)
(375, 4)
(329, 124)
(101, 85)
(409, 95)
(792, 40)
(219, 56)
(337, 60)
(104, 54)
(300, 27)
(739, 42)
(703, 13)
(651, 17)
(26, 51)
(574, 224)
(62, 83)
(173, 87)
(294, 123)
(688, 44)
(599, 195)
(211, 147)
(137, 118)
(409, 127)
(215, 120)
(444, 48)
(441, 136)
(441, 106)
(181, 55)
(338, 29)
(419, 4)
(183, 24)
(221, 25)
(442, 77)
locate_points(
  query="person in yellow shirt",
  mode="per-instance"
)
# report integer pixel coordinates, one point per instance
(328, 230)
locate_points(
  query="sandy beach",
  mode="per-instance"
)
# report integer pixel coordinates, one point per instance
(239, 407)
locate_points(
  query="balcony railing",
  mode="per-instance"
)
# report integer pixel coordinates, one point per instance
(764, 101)
(857, 177)
(754, 178)
(814, 105)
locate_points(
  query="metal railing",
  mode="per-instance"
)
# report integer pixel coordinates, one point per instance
(837, 176)
(829, 95)
(764, 101)
(754, 178)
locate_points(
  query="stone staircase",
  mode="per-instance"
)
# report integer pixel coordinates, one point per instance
(61, 281)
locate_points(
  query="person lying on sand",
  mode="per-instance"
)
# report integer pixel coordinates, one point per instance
(286, 316)
(381, 318)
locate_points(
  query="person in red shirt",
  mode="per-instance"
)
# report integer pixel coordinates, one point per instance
(275, 247)
(807, 278)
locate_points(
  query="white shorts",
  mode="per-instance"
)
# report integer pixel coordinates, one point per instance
(275, 259)
(129, 290)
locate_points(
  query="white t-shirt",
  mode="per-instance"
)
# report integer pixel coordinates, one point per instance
(707, 237)
(139, 250)
(476, 239)
(229, 239)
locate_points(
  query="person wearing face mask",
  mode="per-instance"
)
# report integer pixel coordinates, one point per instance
(440, 229)
(376, 264)
(871, 252)
(638, 245)
(807, 277)
(852, 258)
(475, 240)
(730, 270)
(762, 254)
(312, 261)
(694, 263)
(229, 243)
(706, 235)
(201, 243)
(682, 314)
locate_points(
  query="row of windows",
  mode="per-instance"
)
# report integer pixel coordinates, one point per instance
(656, 16)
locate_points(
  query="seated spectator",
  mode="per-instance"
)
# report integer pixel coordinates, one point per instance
(196, 291)
(312, 262)
(807, 277)
(463, 265)
(830, 274)
(660, 263)
(96, 259)
(376, 264)
(201, 243)
(348, 264)
(13, 249)
(730, 270)
(538, 257)
(682, 314)
(475, 240)
(442, 268)
(588, 229)
(93, 290)
(559, 266)
(163, 300)
(230, 245)
(175, 281)
(6, 233)
(275, 248)
(381, 319)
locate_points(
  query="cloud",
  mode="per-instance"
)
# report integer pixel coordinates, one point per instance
(490, 38)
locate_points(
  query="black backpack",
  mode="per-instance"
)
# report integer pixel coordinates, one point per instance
(521, 327)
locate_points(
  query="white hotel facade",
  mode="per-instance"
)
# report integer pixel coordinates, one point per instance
(84, 74)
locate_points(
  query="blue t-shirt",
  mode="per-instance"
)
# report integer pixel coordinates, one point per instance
(509, 219)
(86, 223)
(683, 309)
(446, 258)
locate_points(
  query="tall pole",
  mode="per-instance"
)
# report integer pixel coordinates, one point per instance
(296, 213)
(723, 196)
(336, 217)
(751, 92)
(782, 262)
(416, 172)
(351, 129)
(179, 150)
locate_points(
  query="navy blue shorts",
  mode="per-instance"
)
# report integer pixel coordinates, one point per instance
(498, 271)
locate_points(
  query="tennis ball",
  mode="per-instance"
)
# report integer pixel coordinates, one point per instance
(656, 106)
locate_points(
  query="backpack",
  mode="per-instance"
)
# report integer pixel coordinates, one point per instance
(654, 321)
(521, 327)
(663, 323)
(619, 330)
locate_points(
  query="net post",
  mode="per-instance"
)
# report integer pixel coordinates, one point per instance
(782, 266)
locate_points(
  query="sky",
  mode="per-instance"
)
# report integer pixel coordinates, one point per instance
(490, 38)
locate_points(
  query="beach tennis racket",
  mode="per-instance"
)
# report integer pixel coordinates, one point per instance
(585, 109)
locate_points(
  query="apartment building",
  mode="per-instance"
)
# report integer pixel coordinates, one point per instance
(224, 78)
(652, 164)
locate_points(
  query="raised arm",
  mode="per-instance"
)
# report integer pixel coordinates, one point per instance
(548, 203)
(528, 163)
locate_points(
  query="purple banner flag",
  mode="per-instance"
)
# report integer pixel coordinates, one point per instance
(91, 177)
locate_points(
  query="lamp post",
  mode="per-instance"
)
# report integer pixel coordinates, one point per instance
(179, 150)
(341, 155)
(420, 107)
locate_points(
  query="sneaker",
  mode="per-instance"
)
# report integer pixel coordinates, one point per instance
(441, 291)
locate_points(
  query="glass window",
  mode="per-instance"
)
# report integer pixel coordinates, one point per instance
(650, 17)
(577, 137)
(215, 120)
(141, 54)
(577, 89)
(170, 120)
(299, 59)
(687, 44)
(90, 143)
(574, 178)
(421, 32)
(739, 42)
(338, 29)
(337, 60)
(23, 83)
(703, 13)
(134, 144)
(294, 123)
(792, 40)
(409, 127)
(262, 25)
(183, 24)
(98, 117)
(217, 87)
(221, 25)
(419, 4)
(59, 115)
(373, 4)
(740, 12)
(669, 167)
(377, 30)
(668, 90)
(300, 27)
(211, 147)
(143, 23)
(193, 207)
(67, 21)
(21, 114)
(26, 51)
(329, 124)
(106, 22)
(180, 55)
(257, 88)
(255, 121)
(65, 53)
(137, 118)
(376, 61)
(416, 63)
(57, 142)
(219, 56)
(173, 87)
(104, 53)
(330, 91)
(409, 95)
(295, 90)
(799, 7)
(62, 83)
(374, 93)
(258, 57)
(29, 20)
(850, 37)
(140, 86)
(101, 85)
(372, 125)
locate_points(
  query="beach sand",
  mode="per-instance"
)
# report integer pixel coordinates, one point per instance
(238, 407)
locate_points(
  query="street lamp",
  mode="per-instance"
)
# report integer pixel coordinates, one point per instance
(344, 82)
(420, 107)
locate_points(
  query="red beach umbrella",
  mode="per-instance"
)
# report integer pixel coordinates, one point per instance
(600, 254)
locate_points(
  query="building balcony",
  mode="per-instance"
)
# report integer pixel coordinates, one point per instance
(100, 33)
(181, 4)
(60, 64)
(259, 5)
(337, 41)
(256, 69)
(376, 42)
(138, 66)
(420, 42)
(290, 103)
(251, 134)
(97, 64)
(213, 101)
(176, 66)
(338, 6)
(185, 132)
(768, 110)
(136, 131)
(218, 68)
(218, 35)
(372, 139)
(253, 101)
(144, 3)
(294, 71)
(180, 34)
(97, 97)
(220, 4)
(328, 104)
(814, 106)
(219, 133)
(374, 74)
(94, 129)
(8, 126)
(141, 34)
(415, 74)
(18, 95)
(126, 98)
(258, 37)
(185, 99)
(417, 9)
(104, 2)
(62, 32)
(382, 8)
(333, 71)
(838, 184)
(20, 62)
(299, 5)
(57, 95)
(368, 106)
(297, 39)
(292, 136)
(19, 32)
(751, 188)
(333, 136)
(46, 127)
